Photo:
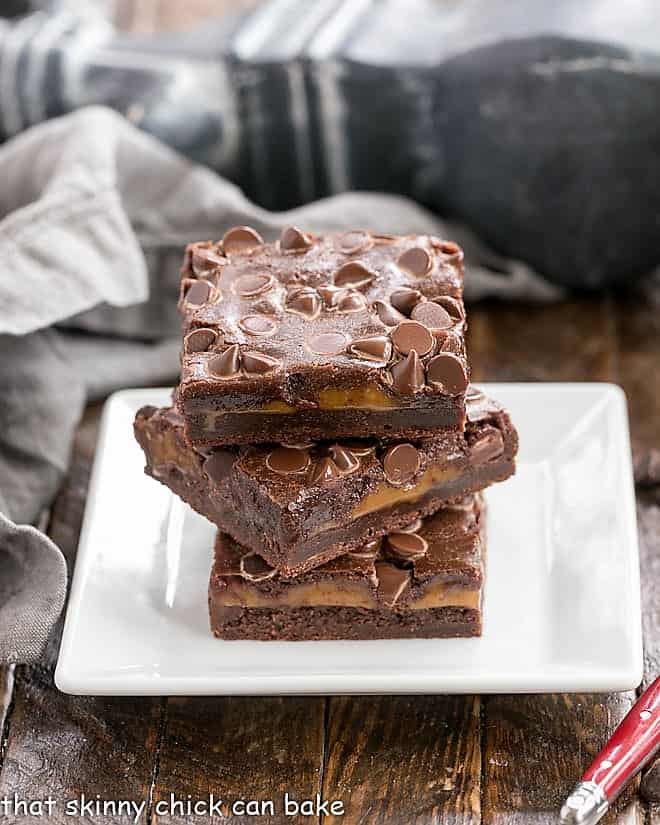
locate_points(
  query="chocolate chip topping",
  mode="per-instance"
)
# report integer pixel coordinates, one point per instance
(413, 527)
(488, 446)
(453, 307)
(204, 258)
(257, 363)
(405, 547)
(287, 460)
(218, 465)
(392, 582)
(258, 325)
(405, 300)
(331, 294)
(477, 405)
(304, 301)
(388, 314)
(247, 286)
(377, 348)
(351, 301)
(449, 248)
(432, 315)
(369, 550)
(325, 469)
(447, 371)
(293, 239)
(401, 464)
(227, 364)
(354, 274)
(328, 343)
(416, 261)
(408, 374)
(200, 340)
(411, 335)
(344, 458)
(199, 293)
(241, 239)
(351, 243)
(255, 569)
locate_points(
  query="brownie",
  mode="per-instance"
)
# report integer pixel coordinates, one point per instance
(423, 581)
(302, 506)
(321, 337)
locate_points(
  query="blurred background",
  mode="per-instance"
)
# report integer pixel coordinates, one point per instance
(533, 123)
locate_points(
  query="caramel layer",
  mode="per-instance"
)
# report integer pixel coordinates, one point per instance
(364, 398)
(240, 593)
(386, 496)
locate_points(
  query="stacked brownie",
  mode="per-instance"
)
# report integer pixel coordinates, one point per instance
(325, 423)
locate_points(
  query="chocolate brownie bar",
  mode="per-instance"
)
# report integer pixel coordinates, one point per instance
(423, 581)
(301, 506)
(318, 337)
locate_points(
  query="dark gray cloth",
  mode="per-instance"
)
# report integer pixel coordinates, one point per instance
(93, 219)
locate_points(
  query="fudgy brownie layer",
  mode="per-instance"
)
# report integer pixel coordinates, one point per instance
(316, 624)
(291, 339)
(300, 507)
(426, 580)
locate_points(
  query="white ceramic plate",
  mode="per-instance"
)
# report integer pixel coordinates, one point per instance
(562, 606)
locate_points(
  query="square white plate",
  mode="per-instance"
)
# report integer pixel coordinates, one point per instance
(562, 606)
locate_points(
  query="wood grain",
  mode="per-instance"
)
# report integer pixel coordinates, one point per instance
(412, 759)
(241, 748)
(65, 745)
(536, 747)
(638, 366)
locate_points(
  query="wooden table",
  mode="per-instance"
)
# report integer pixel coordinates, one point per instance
(404, 760)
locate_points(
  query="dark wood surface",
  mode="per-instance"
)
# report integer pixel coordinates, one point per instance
(418, 760)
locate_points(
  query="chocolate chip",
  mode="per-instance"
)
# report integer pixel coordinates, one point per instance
(416, 261)
(452, 305)
(218, 465)
(247, 286)
(369, 550)
(411, 335)
(204, 258)
(477, 405)
(200, 340)
(325, 469)
(377, 348)
(447, 371)
(351, 302)
(256, 569)
(448, 342)
(345, 459)
(413, 527)
(354, 274)
(405, 547)
(350, 243)
(408, 374)
(199, 293)
(257, 325)
(401, 464)
(388, 314)
(392, 582)
(449, 248)
(304, 301)
(256, 363)
(293, 239)
(405, 300)
(359, 447)
(488, 446)
(227, 364)
(241, 239)
(287, 460)
(432, 315)
(327, 343)
(331, 294)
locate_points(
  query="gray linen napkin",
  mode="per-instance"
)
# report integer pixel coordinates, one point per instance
(94, 215)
